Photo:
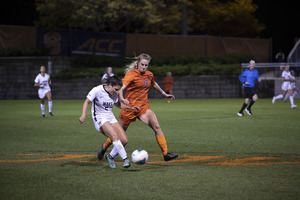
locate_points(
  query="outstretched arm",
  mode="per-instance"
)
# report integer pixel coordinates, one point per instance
(84, 109)
(121, 96)
(123, 106)
(158, 89)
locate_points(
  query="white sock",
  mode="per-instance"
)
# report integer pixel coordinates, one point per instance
(43, 109)
(292, 100)
(120, 149)
(286, 96)
(279, 96)
(114, 152)
(50, 106)
(295, 93)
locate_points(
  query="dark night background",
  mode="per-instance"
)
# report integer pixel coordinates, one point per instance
(279, 16)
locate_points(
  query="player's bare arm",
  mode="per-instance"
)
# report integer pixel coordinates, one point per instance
(84, 109)
(123, 106)
(158, 89)
(121, 96)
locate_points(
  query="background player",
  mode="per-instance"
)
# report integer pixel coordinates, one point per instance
(286, 86)
(43, 81)
(168, 82)
(107, 75)
(248, 78)
(293, 86)
(103, 98)
(138, 81)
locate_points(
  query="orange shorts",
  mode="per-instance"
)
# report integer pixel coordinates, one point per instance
(127, 116)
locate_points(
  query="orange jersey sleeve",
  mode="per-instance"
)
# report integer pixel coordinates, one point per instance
(138, 85)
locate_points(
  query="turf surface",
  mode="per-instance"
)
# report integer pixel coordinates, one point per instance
(221, 155)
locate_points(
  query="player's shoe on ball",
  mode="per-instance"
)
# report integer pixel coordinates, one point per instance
(51, 113)
(170, 156)
(126, 163)
(240, 114)
(101, 153)
(248, 111)
(110, 161)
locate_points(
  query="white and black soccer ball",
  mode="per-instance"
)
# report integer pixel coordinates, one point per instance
(139, 156)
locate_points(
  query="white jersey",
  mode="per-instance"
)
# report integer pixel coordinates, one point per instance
(286, 75)
(43, 81)
(102, 106)
(105, 76)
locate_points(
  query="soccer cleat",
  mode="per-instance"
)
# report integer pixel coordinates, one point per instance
(101, 152)
(273, 100)
(50, 113)
(240, 114)
(126, 163)
(294, 106)
(110, 161)
(170, 156)
(43, 115)
(248, 111)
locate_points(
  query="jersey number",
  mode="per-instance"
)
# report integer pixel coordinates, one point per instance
(145, 83)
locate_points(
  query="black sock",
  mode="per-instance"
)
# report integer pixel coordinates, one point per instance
(244, 106)
(251, 103)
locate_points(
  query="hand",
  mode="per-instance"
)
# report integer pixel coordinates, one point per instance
(81, 119)
(135, 108)
(125, 101)
(246, 83)
(169, 96)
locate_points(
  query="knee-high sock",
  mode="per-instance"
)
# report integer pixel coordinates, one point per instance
(286, 96)
(292, 100)
(43, 109)
(50, 106)
(295, 93)
(107, 144)
(251, 103)
(278, 96)
(114, 152)
(243, 107)
(161, 140)
(118, 146)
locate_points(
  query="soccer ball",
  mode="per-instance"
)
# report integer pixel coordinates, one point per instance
(139, 156)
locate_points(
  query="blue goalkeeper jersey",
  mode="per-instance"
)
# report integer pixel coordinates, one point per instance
(250, 77)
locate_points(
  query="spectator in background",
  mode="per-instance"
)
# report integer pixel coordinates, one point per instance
(107, 75)
(280, 57)
(168, 82)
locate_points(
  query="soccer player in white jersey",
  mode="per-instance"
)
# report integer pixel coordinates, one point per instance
(43, 81)
(103, 97)
(293, 86)
(286, 86)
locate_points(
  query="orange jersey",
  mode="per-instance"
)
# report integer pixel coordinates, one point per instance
(168, 81)
(138, 86)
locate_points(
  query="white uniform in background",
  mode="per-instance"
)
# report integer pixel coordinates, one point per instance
(44, 84)
(102, 106)
(286, 85)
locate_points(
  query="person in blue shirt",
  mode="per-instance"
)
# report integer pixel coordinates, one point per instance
(248, 78)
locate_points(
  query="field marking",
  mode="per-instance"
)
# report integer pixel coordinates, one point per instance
(263, 160)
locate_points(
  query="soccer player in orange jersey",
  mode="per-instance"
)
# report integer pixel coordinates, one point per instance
(138, 81)
(168, 81)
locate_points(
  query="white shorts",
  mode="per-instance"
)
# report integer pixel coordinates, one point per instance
(42, 93)
(293, 85)
(99, 120)
(286, 86)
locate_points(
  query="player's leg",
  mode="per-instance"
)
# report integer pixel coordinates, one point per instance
(295, 92)
(109, 130)
(43, 107)
(291, 98)
(245, 104)
(254, 99)
(49, 97)
(150, 119)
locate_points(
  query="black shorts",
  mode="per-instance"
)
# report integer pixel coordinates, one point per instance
(249, 92)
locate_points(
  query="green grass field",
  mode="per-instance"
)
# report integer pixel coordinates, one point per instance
(221, 155)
